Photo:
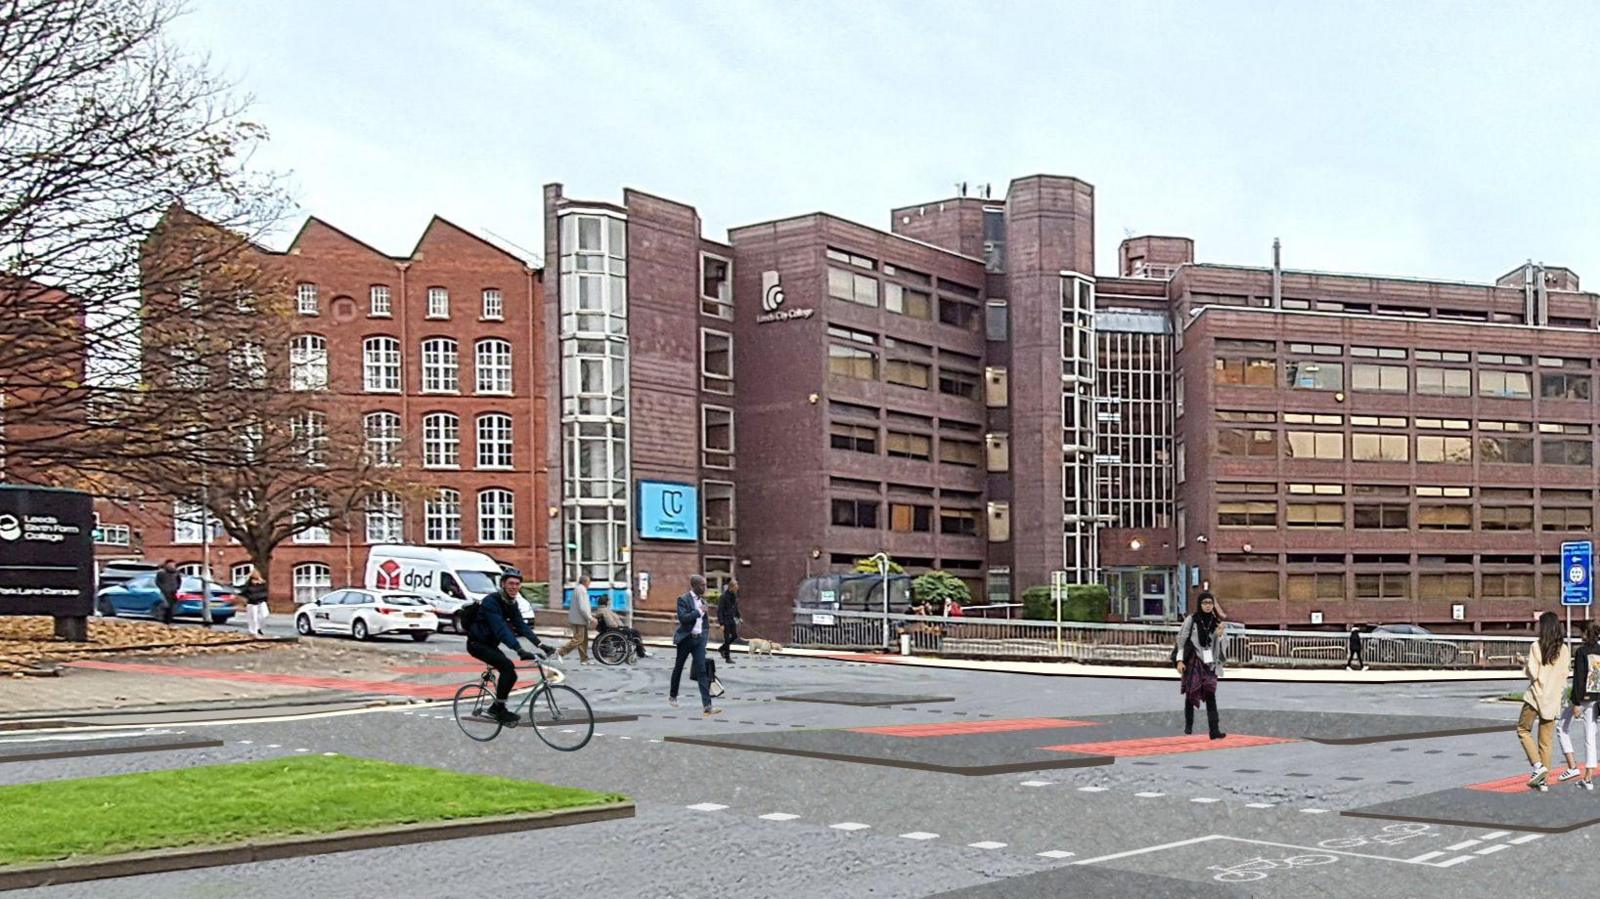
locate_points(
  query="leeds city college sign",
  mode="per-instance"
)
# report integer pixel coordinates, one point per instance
(772, 302)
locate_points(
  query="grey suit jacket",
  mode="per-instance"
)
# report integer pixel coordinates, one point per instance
(686, 619)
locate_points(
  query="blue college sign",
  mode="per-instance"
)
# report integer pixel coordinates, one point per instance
(1577, 567)
(668, 511)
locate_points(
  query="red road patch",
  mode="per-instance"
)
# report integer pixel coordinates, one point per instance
(348, 685)
(961, 728)
(1167, 745)
(1517, 784)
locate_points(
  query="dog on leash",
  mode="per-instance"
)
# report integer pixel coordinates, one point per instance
(758, 646)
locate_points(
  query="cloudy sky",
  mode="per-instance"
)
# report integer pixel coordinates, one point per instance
(1442, 139)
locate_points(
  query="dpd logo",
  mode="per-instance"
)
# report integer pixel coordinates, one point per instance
(389, 575)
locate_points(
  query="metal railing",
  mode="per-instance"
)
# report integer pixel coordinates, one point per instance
(1145, 644)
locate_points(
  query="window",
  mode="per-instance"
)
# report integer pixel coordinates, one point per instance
(852, 362)
(1315, 444)
(311, 514)
(382, 430)
(309, 431)
(440, 366)
(910, 518)
(1508, 585)
(385, 518)
(189, 523)
(311, 580)
(1247, 442)
(1379, 447)
(854, 438)
(1246, 586)
(996, 387)
(855, 513)
(1382, 517)
(1383, 586)
(308, 363)
(1501, 359)
(494, 366)
(1443, 381)
(438, 302)
(1265, 487)
(305, 298)
(1514, 385)
(1505, 518)
(995, 320)
(494, 440)
(1315, 515)
(1322, 585)
(1316, 489)
(716, 361)
(1377, 352)
(1303, 374)
(441, 440)
(379, 305)
(442, 516)
(910, 446)
(494, 306)
(967, 453)
(380, 365)
(1506, 450)
(852, 287)
(1247, 515)
(113, 535)
(716, 437)
(1444, 587)
(1444, 518)
(1180, 462)
(1431, 448)
(247, 366)
(497, 520)
(958, 383)
(960, 314)
(999, 522)
(958, 522)
(1566, 519)
(239, 573)
(718, 512)
(716, 286)
(1250, 371)
(846, 256)
(908, 301)
(1379, 378)
(1554, 451)
(907, 373)
(1564, 387)
(997, 452)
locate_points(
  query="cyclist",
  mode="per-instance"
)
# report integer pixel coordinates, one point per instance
(498, 621)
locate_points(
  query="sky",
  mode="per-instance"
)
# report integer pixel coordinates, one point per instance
(1432, 139)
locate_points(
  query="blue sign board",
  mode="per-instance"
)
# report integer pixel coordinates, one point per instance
(619, 598)
(668, 511)
(1577, 567)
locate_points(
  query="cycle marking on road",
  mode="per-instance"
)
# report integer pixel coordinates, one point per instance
(850, 826)
(706, 807)
(779, 816)
(986, 844)
(1491, 850)
(1463, 845)
(1055, 853)
(919, 835)
(1525, 839)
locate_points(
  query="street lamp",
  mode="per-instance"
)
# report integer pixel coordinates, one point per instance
(883, 570)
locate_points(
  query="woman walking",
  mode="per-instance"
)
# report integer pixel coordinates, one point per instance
(1546, 668)
(1585, 690)
(254, 592)
(1198, 654)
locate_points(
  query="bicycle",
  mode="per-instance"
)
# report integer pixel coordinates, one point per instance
(1257, 868)
(1391, 835)
(558, 713)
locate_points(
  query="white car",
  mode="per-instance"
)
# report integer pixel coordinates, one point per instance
(365, 614)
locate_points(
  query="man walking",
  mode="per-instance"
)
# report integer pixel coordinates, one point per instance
(728, 617)
(579, 619)
(690, 640)
(167, 581)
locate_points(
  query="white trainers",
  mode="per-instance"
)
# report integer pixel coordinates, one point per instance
(672, 702)
(1537, 781)
(1567, 775)
(1586, 784)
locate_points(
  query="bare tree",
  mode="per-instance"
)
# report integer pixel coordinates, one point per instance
(109, 135)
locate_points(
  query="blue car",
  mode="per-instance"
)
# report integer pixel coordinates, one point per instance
(139, 598)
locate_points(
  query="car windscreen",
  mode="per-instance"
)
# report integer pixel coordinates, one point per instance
(192, 585)
(142, 582)
(402, 599)
(479, 581)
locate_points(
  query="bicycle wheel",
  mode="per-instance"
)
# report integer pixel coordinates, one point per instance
(561, 717)
(472, 712)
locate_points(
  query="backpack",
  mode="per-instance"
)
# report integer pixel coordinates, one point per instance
(468, 616)
(1591, 686)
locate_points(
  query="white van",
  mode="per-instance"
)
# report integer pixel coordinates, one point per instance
(446, 578)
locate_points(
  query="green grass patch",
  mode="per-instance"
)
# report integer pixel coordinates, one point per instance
(220, 804)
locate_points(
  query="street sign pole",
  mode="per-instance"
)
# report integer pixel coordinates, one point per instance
(1058, 589)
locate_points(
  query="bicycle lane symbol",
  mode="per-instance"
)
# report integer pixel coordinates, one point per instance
(1259, 867)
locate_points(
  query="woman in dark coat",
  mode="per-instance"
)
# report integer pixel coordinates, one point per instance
(1198, 654)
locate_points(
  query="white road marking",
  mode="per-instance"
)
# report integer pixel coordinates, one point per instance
(706, 807)
(1259, 805)
(1464, 844)
(919, 835)
(624, 738)
(987, 844)
(850, 825)
(1055, 853)
(1092, 789)
(1217, 836)
(302, 750)
(1151, 795)
(1496, 835)
(1453, 862)
(330, 754)
(274, 746)
(1425, 857)
(779, 816)
(1491, 850)
(1525, 839)
(1204, 799)
(1314, 811)
(655, 741)
(245, 742)
(1037, 783)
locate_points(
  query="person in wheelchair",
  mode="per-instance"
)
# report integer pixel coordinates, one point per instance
(610, 622)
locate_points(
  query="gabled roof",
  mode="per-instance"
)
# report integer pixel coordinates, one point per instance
(311, 219)
(441, 221)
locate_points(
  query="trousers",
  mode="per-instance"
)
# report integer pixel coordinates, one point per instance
(693, 646)
(505, 673)
(1564, 727)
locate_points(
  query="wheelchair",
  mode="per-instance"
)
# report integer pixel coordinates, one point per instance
(612, 647)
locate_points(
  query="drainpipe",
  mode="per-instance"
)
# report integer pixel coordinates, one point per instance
(1277, 274)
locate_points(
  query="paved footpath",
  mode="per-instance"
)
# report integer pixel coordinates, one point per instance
(1137, 812)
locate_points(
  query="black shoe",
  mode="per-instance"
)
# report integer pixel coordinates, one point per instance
(500, 713)
(1218, 735)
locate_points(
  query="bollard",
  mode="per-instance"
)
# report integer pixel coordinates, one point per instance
(905, 644)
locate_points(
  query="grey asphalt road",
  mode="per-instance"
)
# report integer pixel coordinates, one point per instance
(1256, 821)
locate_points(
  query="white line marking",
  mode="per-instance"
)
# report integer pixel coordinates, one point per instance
(1037, 783)
(274, 746)
(1491, 850)
(245, 742)
(706, 807)
(779, 816)
(1092, 789)
(1453, 862)
(1525, 839)
(1217, 836)
(1151, 795)
(850, 825)
(302, 750)
(919, 835)
(1055, 853)
(1259, 805)
(624, 738)
(1464, 844)
(1314, 811)
(655, 741)
(330, 754)
(1425, 857)
(987, 844)
(1204, 799)
(1132, 852)
(1496, 835)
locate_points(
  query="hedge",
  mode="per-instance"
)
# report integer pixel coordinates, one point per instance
(1083, 602)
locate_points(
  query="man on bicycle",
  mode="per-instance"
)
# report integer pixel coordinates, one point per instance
(498, 621)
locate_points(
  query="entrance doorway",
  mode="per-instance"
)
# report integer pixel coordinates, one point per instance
(1142, 593)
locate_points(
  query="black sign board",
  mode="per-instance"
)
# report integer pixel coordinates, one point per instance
(46, 552)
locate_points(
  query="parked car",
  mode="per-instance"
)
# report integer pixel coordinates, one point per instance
(121, 571)
(1407, 644)
(139, 598)
(364, 614)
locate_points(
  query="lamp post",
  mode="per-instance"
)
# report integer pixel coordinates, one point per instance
(883, 570)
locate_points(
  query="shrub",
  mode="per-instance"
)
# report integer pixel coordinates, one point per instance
(937, 586)
(537, 594)
(1083, 602)
(867, 566)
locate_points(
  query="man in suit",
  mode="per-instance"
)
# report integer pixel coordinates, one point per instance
(690, 639)
(728, 617)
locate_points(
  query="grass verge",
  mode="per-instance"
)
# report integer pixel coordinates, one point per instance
(220, 804)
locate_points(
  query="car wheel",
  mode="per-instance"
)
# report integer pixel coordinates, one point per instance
(421, 636)
(302, 626)
(108, 609)
(359, 630)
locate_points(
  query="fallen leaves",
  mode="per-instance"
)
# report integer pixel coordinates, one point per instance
(29, 642)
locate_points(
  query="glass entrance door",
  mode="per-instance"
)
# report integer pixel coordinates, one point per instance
(1155, 594)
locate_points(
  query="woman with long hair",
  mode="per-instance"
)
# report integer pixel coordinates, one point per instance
(1546, 668)
(1198, 654)
(254, 592)
(1585, 690)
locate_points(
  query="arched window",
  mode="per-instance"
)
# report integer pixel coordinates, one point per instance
(310, 516)
(308, 362)
(496, 516)
(385, 518)
(311, 580)
(494, 366)
(494, 440)
(383, 438)
(442, 516)
(440, 366)
(240, 572)
(380, 368)
(441, 440)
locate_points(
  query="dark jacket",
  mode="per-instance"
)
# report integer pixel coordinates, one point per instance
(686, 619)
(1581, 660)
(728, 608)
(167, 581)
(254, 593)
(499, 622)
